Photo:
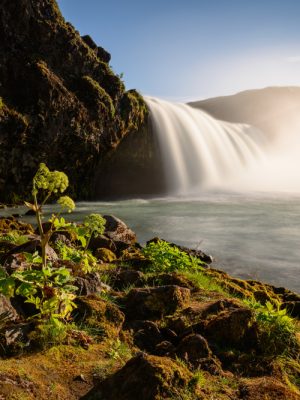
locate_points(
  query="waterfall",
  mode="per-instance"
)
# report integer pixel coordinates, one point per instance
(199, 151)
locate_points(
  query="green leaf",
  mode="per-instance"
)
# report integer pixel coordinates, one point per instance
(7, 286)
(26, 289)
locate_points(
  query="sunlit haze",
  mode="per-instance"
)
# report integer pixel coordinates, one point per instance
(185, 50)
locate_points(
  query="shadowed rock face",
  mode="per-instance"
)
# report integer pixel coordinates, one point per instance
(132, 169)
(61, 102)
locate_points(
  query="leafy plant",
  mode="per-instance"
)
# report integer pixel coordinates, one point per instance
(94, 225)
(48, 289)
(14, 237)
(119, 351)
(83, 258)
(167, 258)
(277, 329)
(45, 184)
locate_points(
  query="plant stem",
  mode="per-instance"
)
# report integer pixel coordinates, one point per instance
(88, 241)
(41, 230)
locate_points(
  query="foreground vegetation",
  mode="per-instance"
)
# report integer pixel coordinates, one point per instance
(86, 312)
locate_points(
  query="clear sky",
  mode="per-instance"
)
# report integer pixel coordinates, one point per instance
(193, 49)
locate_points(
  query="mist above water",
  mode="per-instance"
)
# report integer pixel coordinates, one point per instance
(200, 152)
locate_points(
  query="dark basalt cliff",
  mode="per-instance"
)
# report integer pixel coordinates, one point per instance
(60, 101)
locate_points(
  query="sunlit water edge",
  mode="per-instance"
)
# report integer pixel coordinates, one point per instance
(250, 235)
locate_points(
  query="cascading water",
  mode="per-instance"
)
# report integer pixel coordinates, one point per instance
(199, 151)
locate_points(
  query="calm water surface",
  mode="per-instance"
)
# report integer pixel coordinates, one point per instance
(250, 236)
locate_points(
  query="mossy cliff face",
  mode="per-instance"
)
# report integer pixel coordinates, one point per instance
(61, 102)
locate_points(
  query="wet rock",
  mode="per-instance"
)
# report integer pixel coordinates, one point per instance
(104, 317)
(147, 335)
(194, 350)
(31, 247)
(105, 255)
(229, 327)
(102, 241)
(14, 338)
(169, 334)
(29, 213)
(164, 348)
(7, 311)
(123, 279)
(143, 377)
(14, 262)
(58, 237)
(119, 232)
(90, 284)
(152, 303)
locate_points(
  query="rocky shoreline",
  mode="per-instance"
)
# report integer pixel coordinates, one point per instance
(141, 332)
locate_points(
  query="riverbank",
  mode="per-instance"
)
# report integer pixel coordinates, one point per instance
(149, 322)
(252, 236)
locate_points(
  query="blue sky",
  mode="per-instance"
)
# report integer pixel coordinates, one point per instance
(193, 49)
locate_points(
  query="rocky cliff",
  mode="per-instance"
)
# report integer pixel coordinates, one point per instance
(60, 101)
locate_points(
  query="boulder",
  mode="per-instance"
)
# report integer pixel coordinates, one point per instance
(293, 308)
(101, 241)
(14, 262)
(123, 279)
(147, 335)
(31, 247)
(7, 311)
(119, 232)
(229, 327)
(90, 284)
(105, 255)
(153, 303)
(164, 348)
(102, 316)
(58, 237)
(144, 377)
(194, 350)
(14, 338)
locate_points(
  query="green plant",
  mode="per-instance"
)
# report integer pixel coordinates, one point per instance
(277, 329)
(119, 351)
(48, 289)
(94, 225)
(167, 258)
(50, 332)
(82, 258)
(14, 237)
(203, 281)
(45, 184)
